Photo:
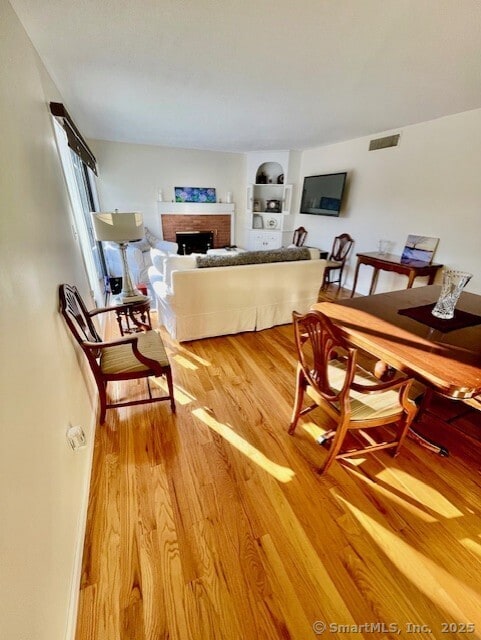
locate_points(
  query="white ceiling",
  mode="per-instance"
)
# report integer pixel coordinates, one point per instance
(241, 75)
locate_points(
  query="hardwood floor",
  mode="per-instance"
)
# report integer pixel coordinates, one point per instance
(213, 524)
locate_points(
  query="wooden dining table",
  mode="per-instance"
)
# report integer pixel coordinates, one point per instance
(440, 354)
(398, 329)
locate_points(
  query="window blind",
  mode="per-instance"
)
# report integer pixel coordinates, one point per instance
(74, 137)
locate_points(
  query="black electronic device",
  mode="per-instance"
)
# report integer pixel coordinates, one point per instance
(115, 286)
(322, 195)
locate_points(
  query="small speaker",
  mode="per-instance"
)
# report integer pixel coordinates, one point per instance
(384, 143)
(115, 285)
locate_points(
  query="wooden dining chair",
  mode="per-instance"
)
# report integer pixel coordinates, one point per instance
(139, 355)
(355, 400)
(341, 248)
(299, 237)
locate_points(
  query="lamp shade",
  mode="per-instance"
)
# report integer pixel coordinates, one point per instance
(117, 226)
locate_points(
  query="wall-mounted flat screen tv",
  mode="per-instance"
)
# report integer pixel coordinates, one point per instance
(322, 195)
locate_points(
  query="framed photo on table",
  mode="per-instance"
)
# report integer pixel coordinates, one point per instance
(420, 248)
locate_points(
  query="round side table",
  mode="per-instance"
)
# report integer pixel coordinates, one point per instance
(132, 316)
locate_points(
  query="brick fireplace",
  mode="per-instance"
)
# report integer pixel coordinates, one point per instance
(218, 224)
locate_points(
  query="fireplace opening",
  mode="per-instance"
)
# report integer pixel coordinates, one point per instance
(194, 241)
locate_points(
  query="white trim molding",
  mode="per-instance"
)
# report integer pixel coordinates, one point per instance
(206, 208)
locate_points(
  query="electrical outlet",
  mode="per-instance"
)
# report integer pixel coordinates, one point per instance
(76, 438)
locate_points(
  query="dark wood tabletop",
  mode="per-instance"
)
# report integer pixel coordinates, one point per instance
(449, 361)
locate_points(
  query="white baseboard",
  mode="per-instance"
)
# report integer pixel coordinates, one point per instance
(80, 537)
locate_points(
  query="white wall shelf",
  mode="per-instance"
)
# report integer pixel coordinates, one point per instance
(267, 228)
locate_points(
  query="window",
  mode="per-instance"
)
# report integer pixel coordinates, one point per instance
(83, 197)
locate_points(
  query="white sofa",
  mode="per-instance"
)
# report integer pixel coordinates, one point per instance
(196, 303)
(138, 256)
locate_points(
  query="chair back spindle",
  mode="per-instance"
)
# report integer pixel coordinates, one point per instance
(299, 237)
(76, 315)
(319, 345)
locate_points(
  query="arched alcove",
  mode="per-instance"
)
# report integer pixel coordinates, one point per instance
(270, 173)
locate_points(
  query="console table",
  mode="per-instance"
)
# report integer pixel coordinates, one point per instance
(391, 262)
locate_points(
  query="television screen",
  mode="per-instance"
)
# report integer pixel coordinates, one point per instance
(322, 195)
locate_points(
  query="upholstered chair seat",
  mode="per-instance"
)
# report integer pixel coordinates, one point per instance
(363, 406)
(121, 358)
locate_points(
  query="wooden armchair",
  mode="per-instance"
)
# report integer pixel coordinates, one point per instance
(137, 356)
(299, 237)
(353, 398)
(341, 248)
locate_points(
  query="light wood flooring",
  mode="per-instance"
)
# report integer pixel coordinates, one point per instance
(214, 525)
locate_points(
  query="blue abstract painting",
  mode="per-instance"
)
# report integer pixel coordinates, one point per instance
(194, 194)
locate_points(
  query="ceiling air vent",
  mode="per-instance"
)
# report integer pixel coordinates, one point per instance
(384, 143)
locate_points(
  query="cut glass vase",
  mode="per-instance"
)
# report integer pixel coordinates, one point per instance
(453, 283)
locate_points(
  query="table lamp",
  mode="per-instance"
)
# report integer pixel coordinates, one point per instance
(121, 228)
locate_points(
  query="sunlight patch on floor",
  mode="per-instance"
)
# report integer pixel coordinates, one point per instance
(355, 461)
(472, 546)
(407, 502)
(313, 429)
(425, 494)
(180, 395)
(183, 362)
(188, 354)
(426, 574)
(283, 474)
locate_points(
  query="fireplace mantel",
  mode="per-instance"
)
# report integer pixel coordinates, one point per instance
(206, 208)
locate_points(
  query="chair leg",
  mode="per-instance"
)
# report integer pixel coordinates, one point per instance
(148, 388)
(334, 448)
(298, 399)
(404, 425)
(102, 387)
(423, 402)
(340, 277)
(404, 430)
(326, 279)
(168, 375)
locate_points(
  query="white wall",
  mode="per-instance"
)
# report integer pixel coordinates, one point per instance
(43, 483)
(131, 176)
(428, 185)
